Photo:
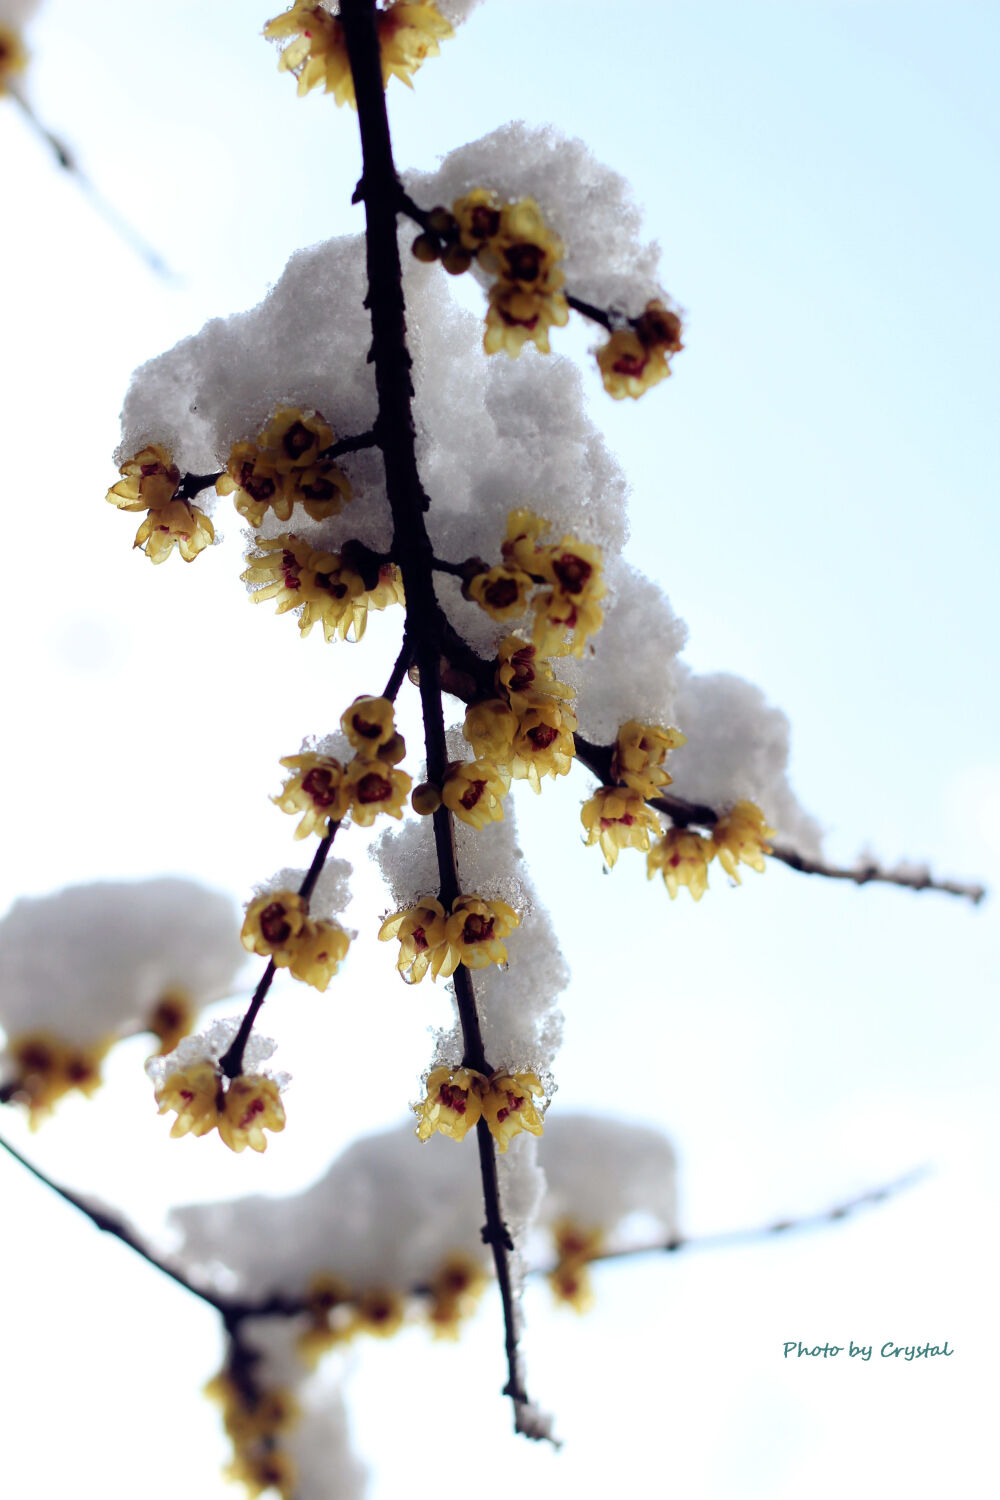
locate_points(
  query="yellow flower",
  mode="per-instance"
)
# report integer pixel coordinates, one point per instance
(369, 724)
(454, 1291)
(337, 598)
(524, 250)
(408, 34)
(562, 626)
(620, 819)
(151, 477)
(516, 317)
(520, 548)
(634, 359)
(272, 924)
(453, 1104)
(474, 791)
(741, 835)
(478, 218)
(521, 670)
(293, 440)
(502, 592)
(490, 728)
(13, 56)
(179, 525)
(474, 930)
(171, 1018)
(316, 790)
(283, 569)
(46, 1069)
(682, 859)
(508, 1107)
(318, 951)
(639, 753)
(569, 1279)
(252, 1105)
(543, 742)
(326, 1292)
(374, 787)
(262, 1469)
(380, 1312)
(575, 569)
(571, 1284)
(256, 483)
(194, 1094)
(322, 488)
(421, 934)
(328, 1305)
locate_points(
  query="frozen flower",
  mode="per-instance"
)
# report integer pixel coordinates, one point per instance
(563, 626)
(318, 951)
(741, 835)
(337, 598)
(474, 931)
(293, 440)
(543, 742)
(251, 1106)
(490, 728)
(575, 569)
(374, 788)
(634, 359)
(502, 592)
(256, 483)
(369, 724)
(619, 818)
(453, 1104)
(455, 1289)
(316, 790)
(322, 489)
(522, 670)
(283, 570)
(509, 1108)
(421, 934)
(195, 1094)
(682, 858)
(150, 479)
(478, 218)
(171, 1018)
(179, 525)
(474, 791)
(380, 1312)
(272, 924)
(515, 318)
(520, 547)
(639, 753)
(408, 34)
(45, 1069)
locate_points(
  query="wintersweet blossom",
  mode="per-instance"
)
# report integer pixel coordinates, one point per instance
(740, 836)
(251, 1106)
(293, 439)
(370, 726)
(193, 1094)
(562, 625)
(256, 483)
(474, 931)
(490, 728)
(543, 741)
(45, 1068)
(618, 818)
(318, 951)
(570, 1279)
(639, 753)
(521, 546)
(408, 35)
(374, 788)
(509, 1108)
(502, 592)
(682, 858)
(330, 592)
(634, 359)
(316, 790)
(171, 1019)
(421, 934)
(455, 1289)
(179, 525)
(272, 924)
(240, 1108)
(520, 669)
(515, 318)
(453, 1103)
(150, 480)
(477, 216)
(474, 791)
(379, 1311)
(13, 56)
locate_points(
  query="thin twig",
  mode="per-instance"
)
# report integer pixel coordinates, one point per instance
(231, 1061)
(115, 220)
(400, 668)
(192, 484)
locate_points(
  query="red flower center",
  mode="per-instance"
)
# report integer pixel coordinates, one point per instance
(572, 572)
(290, 570)
(319, 489)
(630, 364)
(501, 593)
(484, 222)
(374, 788)
(524, 262)
(274, 923)
(478, 929)
(453, 1098)
(542, 736)
(319, 784)
(472, 795)
(257, 486)
(365, 727)
(297, 440)
(253, 1109)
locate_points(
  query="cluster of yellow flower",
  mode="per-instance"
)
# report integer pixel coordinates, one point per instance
(471, 934)
(331, 592)
(527, 730)
(323, 790)
(256, 1421)
(282, 465)
(45, 1068)
(567, 611)
(13, 56)
(458, 1098)
(683, 857)
(240, 1108)
(575, 1248)
(150, 482)
(512, 242)
(617, 816)
(408, 34)
(638, 357)
(278, 926)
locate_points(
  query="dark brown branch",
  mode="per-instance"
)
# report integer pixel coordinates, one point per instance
(231, 1063)
(381, 193)
(868, 873)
